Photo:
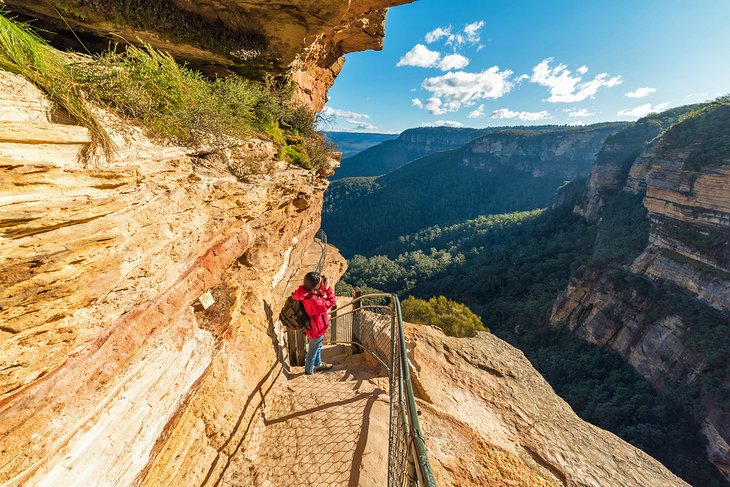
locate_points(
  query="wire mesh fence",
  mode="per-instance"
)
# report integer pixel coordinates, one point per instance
(372, 324)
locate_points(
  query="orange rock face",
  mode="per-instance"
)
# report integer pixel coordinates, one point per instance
(111, 370)
(491, 419)
(688, 207)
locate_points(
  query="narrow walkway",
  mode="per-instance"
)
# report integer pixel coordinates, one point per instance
(325, 430)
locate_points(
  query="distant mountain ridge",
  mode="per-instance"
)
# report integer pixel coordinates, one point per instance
(351, 143)
(410, 145)
(503, 171)
(415, 143)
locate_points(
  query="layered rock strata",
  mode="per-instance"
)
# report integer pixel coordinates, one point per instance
(688, 254)
(567, 153)
(111, 371)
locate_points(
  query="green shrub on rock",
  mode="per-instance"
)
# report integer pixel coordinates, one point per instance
(295, 154)
(455, 319)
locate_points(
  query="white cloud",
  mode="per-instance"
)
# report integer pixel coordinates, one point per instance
(454, 89)
(470, 34)
(443, 123)
(420, 56)
(455, 40)
(437, 34)
(582, 70)
(433, 105)
(365, 126)
(642, 110)
(478, 113)
(567, 88)
(344, 114)
(524, 116)
(578, 112)
(641, 92)
(472, 31)
(453, 61)
(357, 119)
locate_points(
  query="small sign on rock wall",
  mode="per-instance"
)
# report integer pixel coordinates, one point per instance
(206, 299)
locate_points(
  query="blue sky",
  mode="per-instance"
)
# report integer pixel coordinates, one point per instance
(521, 62)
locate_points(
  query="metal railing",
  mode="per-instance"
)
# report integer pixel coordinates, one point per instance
(373, 324)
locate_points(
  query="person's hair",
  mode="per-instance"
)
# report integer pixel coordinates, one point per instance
(311, 280)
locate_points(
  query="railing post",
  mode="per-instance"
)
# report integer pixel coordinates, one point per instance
(295, 340)
(356, 316)
(333, 324)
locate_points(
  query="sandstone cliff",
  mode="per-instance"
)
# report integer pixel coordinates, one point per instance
(617, 157)
(304, 40)
(512, 411)
(112, 372)
(564, 153)
(667, 313)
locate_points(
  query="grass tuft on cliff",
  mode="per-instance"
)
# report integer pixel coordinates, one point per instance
(176, 103)
(22, 52)
(171, 101)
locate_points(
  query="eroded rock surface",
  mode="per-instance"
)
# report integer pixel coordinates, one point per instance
(494, 390)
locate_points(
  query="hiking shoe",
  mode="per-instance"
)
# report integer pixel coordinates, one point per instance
(323, 366)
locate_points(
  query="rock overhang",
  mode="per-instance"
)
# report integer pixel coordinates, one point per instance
(301, 40)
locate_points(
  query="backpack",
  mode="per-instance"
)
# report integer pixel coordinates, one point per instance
(293, 315)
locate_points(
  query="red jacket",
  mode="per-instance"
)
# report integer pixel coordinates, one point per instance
(316, 306)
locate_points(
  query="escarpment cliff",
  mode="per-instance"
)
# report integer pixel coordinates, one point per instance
(664, 305)
(302, 39)
(410, 145)
(562, 153)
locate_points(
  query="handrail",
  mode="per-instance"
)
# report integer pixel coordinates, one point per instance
(424, 471)
(419, 468)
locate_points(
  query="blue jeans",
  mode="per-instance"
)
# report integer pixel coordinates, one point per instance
(313, 355)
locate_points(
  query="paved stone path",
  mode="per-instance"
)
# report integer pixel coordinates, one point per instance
(325, 430)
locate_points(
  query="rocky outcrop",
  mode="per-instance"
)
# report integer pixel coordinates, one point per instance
(606, 309)
(627, 152)
(690, 221)
(568, 193)
(112, 372)
(656, 311)
(303, 39)
(493, 389)
(507, 438)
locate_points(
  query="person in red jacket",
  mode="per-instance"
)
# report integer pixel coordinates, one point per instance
(317, 298)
